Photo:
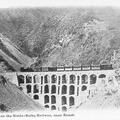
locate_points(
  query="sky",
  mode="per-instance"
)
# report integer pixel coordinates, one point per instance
(57, 3)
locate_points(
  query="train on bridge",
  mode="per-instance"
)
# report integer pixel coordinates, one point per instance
(79, 68)
(64, 88)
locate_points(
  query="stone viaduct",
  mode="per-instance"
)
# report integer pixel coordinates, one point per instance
(63, 88)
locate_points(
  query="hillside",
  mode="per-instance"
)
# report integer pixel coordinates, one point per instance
(106, 96)
(12, 54)
(61, 36)
(13, 99)
(103, 100)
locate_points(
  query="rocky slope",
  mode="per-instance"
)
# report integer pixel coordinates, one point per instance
(103, 101)
(106, 97)
(12, 54)
(13, 99)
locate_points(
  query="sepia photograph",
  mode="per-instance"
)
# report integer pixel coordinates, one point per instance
(59, 59)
